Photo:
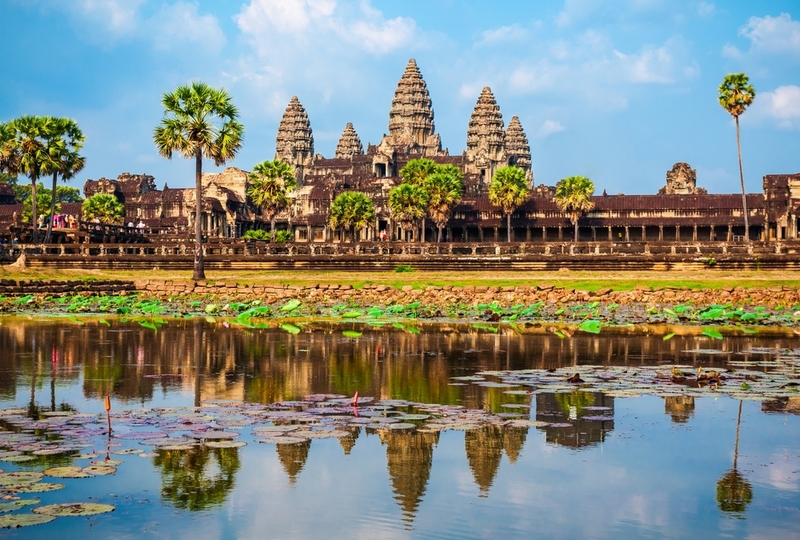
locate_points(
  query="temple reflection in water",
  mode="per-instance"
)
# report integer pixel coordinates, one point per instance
(140, 364)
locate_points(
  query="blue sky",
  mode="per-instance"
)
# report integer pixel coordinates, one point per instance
(617, 91)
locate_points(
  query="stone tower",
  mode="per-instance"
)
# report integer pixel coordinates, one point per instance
(349, 144)
(485, 138)
(295, 142)
(411, 117)
(517, 148)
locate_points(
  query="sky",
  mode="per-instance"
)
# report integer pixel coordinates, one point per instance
(617, 91)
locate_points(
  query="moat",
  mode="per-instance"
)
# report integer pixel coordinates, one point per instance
(457, 431)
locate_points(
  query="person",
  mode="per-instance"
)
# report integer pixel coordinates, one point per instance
(140, 226)
(130, 224)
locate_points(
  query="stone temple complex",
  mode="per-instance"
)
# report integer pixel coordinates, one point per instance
(681, 211)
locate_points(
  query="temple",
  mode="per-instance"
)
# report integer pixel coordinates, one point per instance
(681, 211)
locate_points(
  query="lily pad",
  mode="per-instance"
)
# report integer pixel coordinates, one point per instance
(225, 444)
(590, 326)
(16, 505)
(292, 329)
(351, 314)
(20, 477)
(38, 487)
(66, 472)
(99, 470)
(294, 303)
(73, 509)
(15, 521)
(351, 334)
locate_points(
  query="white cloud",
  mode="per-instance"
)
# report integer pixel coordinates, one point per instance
(706, 9)
(117, 17)
(513, 32)
(322, 23)
(575, 10)
(549, 127)
(662, 65)
(781, 106)
(773, 34)
(181, 23)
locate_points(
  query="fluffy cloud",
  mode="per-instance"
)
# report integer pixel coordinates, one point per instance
(181, 23)
(781, 106)
(768, 35)
(660, 65)
(513, 32)
(117, 17)
(549, 127)
(323, 23)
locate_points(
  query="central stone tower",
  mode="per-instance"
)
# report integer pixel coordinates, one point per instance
(295, 142)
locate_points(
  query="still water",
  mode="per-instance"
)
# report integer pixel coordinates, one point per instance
(516, 461)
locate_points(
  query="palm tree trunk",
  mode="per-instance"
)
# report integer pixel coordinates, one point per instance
(738, 426)
(199, 271)
(741, 177)
(34, 221)
(508, 225)
(52, 209)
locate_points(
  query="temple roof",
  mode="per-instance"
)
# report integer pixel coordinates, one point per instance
(294, 133)
(349, 143)
(517, 147)
(486, 124)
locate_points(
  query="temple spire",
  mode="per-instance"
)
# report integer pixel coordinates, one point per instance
(349, 144)
(517, 148)
(295, 142)
(485, 138)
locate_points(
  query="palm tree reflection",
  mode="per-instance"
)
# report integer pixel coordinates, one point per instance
(192, 480)
(734, 492)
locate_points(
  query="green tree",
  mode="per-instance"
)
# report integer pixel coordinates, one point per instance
(44, 199)
(445, 188)
(9, 153)
(199, 121)
(68, 194)
(408, 204)
(194, 481)
(415, 173)
(272, 181)
(351, 210)
(508, 190)
(30, 145)
(574, 196)
(104, 207)
(66, 140)
(735, 95)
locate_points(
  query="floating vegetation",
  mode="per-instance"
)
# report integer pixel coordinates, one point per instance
(15, 521)
(73, 509)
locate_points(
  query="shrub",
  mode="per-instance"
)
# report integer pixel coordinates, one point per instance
(403, 268)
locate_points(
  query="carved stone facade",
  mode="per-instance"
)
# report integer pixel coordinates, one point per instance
(295, 142)
(349, 144)
(486, 138)
(681, 211)
(681, 180)
(518, 150)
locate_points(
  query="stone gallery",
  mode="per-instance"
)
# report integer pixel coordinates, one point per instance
(680, 211)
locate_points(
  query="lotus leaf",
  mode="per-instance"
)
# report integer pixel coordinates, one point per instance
(351, 314)
(66, 472)
(73, 509)
(16, 505)
(20, 477)
(351, 334)
(225, 444)
(15, 521)
(38, 487)
(294, 303)
(99, 470)
(590, 326)
(292, 329)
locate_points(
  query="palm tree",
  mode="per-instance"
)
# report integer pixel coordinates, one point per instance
(408, 204)
(415, 173)
(574, 196)
(31, 144)
(9, 151)
(445, 188)
(508, 190)
(735, 95)
(106, 208)
(199, 121)
(351, 210)
(66, 140)
(272, 180)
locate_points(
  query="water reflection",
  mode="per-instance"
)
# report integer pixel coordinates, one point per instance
(50, 365)
(197, 479)
(734, 492)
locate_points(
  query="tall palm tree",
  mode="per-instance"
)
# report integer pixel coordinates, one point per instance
(408, 204)
(735, 95)
(508, 190)
(351, 210)
(199, 121)
(32, 140)
(9, 151)
(272, 181)
(574, 196)
(415, 173)
(445, 188)
(65, 142)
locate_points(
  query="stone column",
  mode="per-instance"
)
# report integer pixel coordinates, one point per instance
(495, 234)
(527, 233)
(730, 233)
(544, 234)
(677, 233)
(560, 233)
(480, 234)
(627, 234)
(694, 234)
(610, 233)
(644, 234)
(660, 233)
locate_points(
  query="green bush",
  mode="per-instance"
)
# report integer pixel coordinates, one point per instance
(403, 268)
(281, 237)
(256, 234)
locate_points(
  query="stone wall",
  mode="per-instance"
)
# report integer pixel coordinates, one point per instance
(23, 287)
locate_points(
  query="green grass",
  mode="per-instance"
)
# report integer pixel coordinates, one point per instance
(583, 280)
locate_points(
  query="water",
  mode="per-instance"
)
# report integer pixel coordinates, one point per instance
(650, 466)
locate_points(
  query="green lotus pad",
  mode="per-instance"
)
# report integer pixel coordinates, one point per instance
(66, 472)
(15, 521)
(20, 477)
(16, 505)
(38, 487)
(74, 509)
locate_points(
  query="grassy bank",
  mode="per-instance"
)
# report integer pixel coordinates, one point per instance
(583, 280)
